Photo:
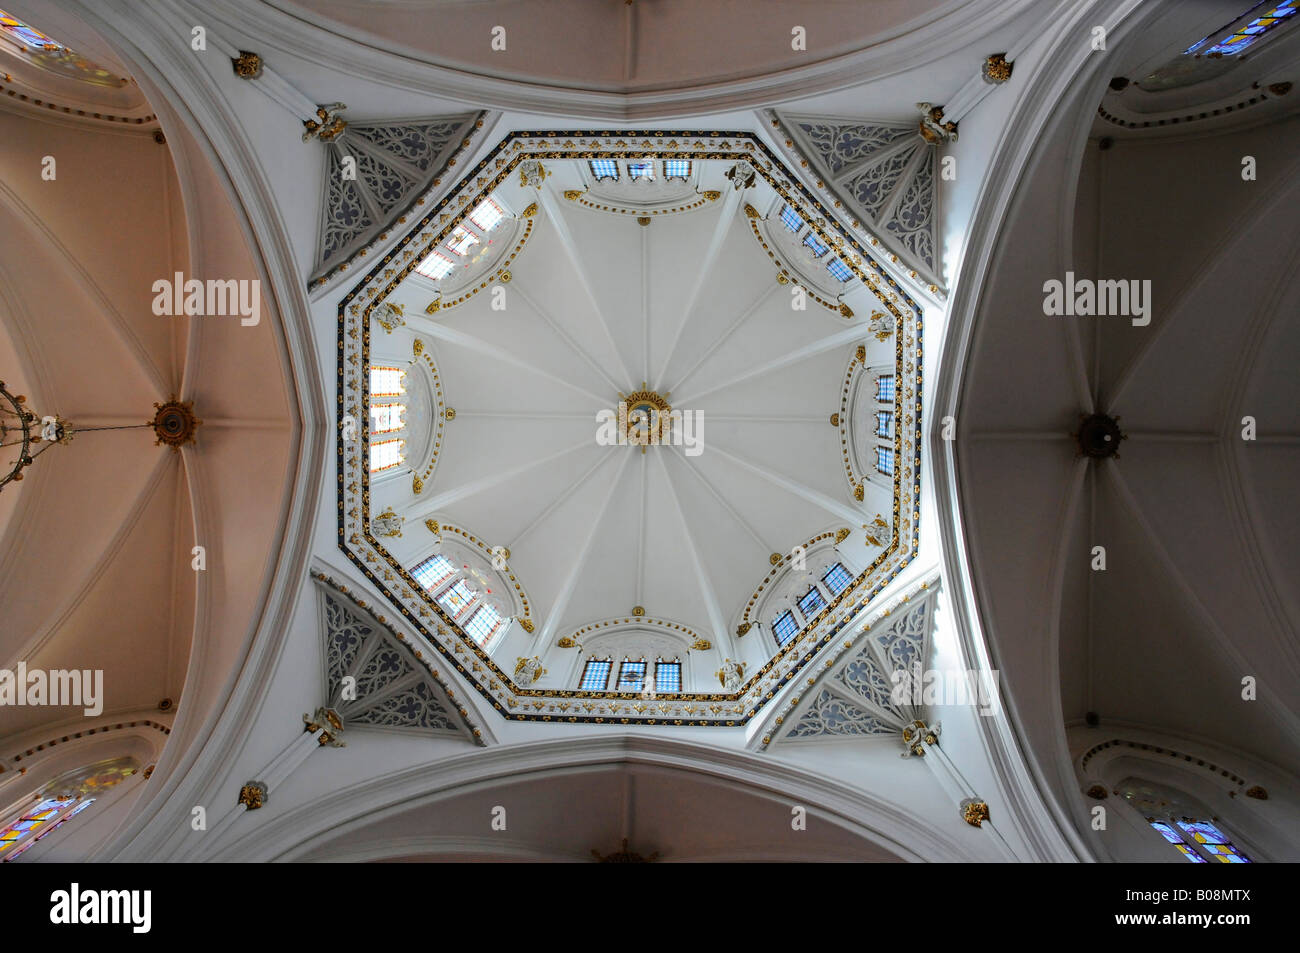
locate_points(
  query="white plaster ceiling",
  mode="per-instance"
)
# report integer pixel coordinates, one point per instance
(597, 530)
(1198, 590)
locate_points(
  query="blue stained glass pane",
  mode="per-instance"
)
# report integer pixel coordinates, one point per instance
(677, 168)
(641, 170)
(433, 571)
(1240, 39)
(812, 602)
(837, 579)
(483, 624)
(885, 389)
(668, 677)
(791, 219)
(631, 677)
(604, 169)
(595, 676)
(838, 269)
(818, 249)
(884, 424)
(885, 460)
(1167, 832)
(784, 627)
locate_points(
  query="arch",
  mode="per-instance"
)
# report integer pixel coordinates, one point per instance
(357, 823)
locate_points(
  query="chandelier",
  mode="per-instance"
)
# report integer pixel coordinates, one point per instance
(26, 434)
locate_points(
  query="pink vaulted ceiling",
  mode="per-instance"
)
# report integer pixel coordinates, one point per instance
(612, 44)
(95, 553)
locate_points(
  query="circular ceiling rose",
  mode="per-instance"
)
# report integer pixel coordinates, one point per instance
(641, 421)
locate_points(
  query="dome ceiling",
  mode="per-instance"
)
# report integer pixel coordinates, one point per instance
(676, 286)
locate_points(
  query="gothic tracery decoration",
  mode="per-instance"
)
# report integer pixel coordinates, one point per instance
(884, 172)
(374, 170)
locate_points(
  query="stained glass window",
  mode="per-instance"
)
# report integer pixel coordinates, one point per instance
(433, 572)
(456, 598)
(885, 389)
(885, 460)
(884, 423)
(1213, 842)
(52, 55)
(487, 215)
(818, 249)
(435, 266)
(604, 169)
(790, 218)
(28, 36)
(677, 169)
(385, 454)
(668, 676)
(812, 602)
(595, 675)
(641, 170)
(1171, 835)
(462, 240)
(385, 381)
(631, 676)
(386, 418)
(1239, 39)
(31, 820)
(48, 829)
(784, 627)
(837, 578)
(483, 624)
(839, 270)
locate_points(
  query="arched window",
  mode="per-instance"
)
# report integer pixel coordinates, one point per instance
(59, 802)
(885, 460)
(595, 675)
(468, 602)
(433, 572)
(50, 54)
(679, 169)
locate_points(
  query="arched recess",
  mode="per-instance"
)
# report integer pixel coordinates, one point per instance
(1253, 802)
(565, 798)
(138, 740)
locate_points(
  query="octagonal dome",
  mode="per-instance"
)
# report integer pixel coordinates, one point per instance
(634, 397)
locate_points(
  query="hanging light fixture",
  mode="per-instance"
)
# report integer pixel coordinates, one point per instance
(25, 434)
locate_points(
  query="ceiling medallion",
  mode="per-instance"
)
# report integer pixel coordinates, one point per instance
(174, 423)
(644, 418)
(1099, 436)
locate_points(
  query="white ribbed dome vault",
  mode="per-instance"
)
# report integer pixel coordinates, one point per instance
(596, 292)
